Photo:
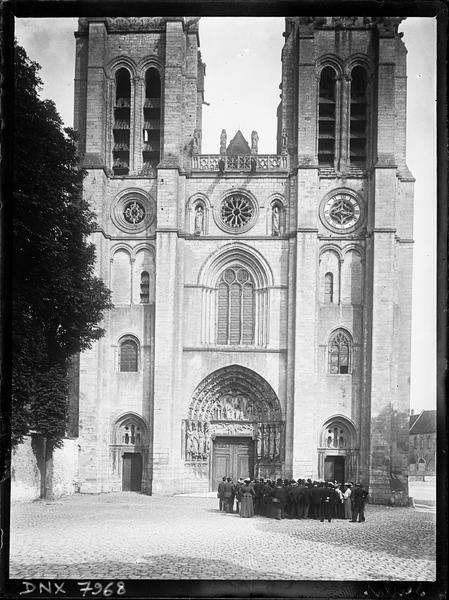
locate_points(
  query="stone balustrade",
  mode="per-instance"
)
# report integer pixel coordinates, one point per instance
(267, 163)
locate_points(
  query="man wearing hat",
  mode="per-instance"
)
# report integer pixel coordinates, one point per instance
(358, 495)
(228, 495)
(278, 500)
(327, 503)
(315, 500)
(238, 485)
(220, 493)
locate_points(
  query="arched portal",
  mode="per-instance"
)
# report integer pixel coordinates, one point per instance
(234, 427)
(338, 454)
(129, 452)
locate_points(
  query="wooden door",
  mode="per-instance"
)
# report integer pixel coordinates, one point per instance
(339, 469)
(232, 457)
(329, 468)
(334, 469)
(132, 472)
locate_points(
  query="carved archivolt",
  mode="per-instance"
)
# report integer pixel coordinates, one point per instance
(234, 393)
(234, 401)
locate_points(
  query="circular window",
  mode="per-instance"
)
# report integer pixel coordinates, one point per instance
(236, 213)
(133, 211)
(342, 211)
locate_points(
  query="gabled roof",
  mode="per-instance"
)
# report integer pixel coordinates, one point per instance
(425, 423)
(238, 145)
(412, 420)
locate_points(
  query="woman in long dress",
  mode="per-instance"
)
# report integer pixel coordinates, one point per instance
(339, 507)
(246, 494)
(347, 502)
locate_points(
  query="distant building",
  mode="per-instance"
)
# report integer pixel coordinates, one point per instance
(423, 443)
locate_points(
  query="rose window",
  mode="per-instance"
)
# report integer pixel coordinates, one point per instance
(342, 212)
(134, 212)
(236, 211)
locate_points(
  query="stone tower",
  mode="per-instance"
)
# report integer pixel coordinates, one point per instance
(343, 112)
(262, 303)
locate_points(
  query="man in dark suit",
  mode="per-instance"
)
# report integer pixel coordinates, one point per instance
(258, 498)
(220, 493)
(315, 500)
(228, 495)
(358, 495)
(279, 498)
(327, 503)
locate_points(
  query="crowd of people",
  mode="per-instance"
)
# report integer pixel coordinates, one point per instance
(291, 499)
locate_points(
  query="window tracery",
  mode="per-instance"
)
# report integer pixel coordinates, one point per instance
(340, 353)
(236, 307)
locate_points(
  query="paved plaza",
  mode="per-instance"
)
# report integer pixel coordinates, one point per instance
(133, 536)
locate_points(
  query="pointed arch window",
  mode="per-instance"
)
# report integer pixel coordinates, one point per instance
(329, 288)
(121, 122)
(340, 353)
(151, 152)
(327, 117)
(236, 307)
(128, 355)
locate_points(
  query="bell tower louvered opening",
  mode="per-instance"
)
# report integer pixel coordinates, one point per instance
(122, 123)
(358, 121)
(151, 122)
(326, 118)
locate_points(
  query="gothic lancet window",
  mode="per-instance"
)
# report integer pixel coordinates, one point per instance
(326, 118)
(121, 122)
(358, 117)
(340, 353)
(129, 355)
(151, 122)
(236, 307)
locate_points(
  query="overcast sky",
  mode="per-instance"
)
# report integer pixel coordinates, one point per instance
(243, 72)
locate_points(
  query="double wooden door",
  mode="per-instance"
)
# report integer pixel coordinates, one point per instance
(232, 457)
(334, 468)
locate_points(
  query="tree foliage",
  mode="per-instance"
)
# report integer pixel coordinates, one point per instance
(58, 302)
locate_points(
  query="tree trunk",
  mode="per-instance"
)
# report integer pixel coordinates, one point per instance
(48, 485)
(43, 450)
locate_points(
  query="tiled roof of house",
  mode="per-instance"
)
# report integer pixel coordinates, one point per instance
(426, 422)
(412, 420)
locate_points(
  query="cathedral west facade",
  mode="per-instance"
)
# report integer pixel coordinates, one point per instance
(262, 303)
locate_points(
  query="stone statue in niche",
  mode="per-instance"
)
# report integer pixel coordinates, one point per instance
(196, 141)
(254, 142)
(223, 138)
(238, 408)
(192, 441)
(276, 220)
(200, 439)
(259, 443)
(199, 220)
(249, 411)
(284, 141)
(277, 454)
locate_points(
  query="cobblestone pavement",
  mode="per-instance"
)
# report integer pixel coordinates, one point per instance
(133, 536)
